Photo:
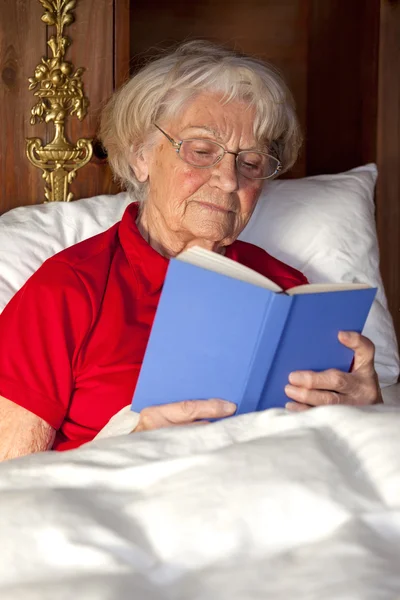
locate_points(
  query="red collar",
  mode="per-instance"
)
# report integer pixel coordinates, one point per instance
(148, 265)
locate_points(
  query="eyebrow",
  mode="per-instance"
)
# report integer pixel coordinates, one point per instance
(217, 136)
(204, 128)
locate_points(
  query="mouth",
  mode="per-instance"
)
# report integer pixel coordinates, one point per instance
(214, 207)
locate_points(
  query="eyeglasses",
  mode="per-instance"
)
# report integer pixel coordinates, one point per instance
(203, 153)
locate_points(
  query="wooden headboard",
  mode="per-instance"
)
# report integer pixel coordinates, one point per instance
(341, 60)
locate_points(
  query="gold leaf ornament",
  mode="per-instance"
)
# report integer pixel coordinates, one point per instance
(47, 5)
(59, 88)
(67, 20)
(52, 43)
(70, 5)
(48, 18)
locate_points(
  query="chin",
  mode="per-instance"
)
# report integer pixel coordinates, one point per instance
(214, 228)
(212, 232)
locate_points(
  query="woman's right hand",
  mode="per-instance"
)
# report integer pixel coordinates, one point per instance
(183, 413)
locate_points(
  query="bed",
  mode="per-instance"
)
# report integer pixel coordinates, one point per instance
(263, 505)
(267, 505)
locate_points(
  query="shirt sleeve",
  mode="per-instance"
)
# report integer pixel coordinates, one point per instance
(42, 330)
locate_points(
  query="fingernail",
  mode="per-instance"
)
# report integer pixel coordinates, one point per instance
(290, 388)
(295, 378)
(344, 335)
(229, 408)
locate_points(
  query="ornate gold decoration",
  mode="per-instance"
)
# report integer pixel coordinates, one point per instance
(59, 88)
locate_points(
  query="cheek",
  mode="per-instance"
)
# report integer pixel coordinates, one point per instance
(188, 181)
(249, 198)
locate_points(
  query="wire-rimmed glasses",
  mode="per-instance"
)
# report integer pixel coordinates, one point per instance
(203, 153)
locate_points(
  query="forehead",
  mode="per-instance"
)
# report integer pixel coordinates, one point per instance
(207, 113)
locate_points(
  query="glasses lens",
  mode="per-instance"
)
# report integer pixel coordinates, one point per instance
(200, 153)
(256, 165)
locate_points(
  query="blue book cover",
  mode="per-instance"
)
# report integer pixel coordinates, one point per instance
(223, 331)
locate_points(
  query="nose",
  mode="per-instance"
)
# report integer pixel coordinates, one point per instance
(225, 175)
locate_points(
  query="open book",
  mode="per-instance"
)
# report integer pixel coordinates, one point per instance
(223, 330)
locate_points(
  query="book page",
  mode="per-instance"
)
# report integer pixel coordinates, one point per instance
(318, 288)
(225, 266)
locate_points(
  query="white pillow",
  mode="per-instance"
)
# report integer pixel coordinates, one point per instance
(324, 226)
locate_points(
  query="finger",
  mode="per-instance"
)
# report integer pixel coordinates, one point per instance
(158, 417)
(332, 379)
(315, 397)
(364, 349)
(296, 407)
(194, 410)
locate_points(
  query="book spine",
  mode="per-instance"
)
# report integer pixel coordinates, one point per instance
(272, 328)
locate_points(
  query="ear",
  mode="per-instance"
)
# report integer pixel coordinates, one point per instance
(139, 164)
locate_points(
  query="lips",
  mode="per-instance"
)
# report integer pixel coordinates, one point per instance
(214, 207)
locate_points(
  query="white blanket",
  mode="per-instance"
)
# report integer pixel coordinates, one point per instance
(267, 505)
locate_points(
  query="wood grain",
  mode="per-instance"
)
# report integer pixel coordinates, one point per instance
(342, 84)
(388, 191)
(21, 47)
(122, 52)
(92, 47)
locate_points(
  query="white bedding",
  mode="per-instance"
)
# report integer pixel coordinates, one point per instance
(267, 505)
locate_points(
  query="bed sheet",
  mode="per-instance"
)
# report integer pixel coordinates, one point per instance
(266, 505)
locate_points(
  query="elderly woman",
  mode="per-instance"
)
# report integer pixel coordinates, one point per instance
(194, 136)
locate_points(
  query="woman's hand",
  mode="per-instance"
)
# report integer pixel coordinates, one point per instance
(183, 413)
(360, 387)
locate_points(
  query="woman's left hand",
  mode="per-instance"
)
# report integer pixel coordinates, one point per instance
(360, 387)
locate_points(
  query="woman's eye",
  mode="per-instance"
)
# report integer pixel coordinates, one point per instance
(203, 152)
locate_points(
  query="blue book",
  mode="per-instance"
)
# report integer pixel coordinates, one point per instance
(222, 330)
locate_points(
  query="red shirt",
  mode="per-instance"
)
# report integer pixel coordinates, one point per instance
(72, 340)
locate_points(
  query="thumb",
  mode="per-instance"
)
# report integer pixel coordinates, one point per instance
(364, 349)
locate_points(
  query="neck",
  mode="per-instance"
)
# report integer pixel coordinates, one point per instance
(154, 230)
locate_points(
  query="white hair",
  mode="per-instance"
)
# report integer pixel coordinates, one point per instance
(161, 89)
